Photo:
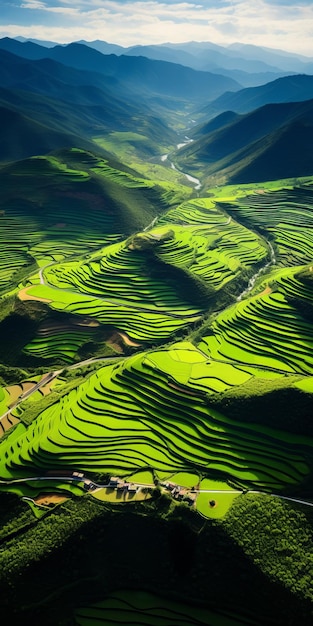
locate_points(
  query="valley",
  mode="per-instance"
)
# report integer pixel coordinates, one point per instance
(156, 363)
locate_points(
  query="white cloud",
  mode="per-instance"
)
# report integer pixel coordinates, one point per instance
(250, 21)
(33, 4)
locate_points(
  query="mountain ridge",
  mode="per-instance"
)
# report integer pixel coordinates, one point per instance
(246, 147)
(292, 88)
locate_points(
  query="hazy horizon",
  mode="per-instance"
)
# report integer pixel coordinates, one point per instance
(276, 24)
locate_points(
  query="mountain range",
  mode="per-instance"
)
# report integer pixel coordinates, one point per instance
(57, 96)
(293, 88)
(249, 64)
(149, 78)
(273, 141)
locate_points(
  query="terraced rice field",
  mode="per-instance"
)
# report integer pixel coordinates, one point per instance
(134, 321)
(143, 414)
(269, 330)
(143, 608)
(67, 205)
(120, 273)
(286, 215)
(153, 412)
(25, 238)
(59, 340)
(4, 399)
(10, 395)
(135, 286)
(6, 420)
(121, 287)
(207, 242)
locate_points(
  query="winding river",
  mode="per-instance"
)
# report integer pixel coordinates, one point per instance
(195, 181)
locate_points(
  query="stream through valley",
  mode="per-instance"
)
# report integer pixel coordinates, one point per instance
(261, 270)
(197, 185)
(195, 181)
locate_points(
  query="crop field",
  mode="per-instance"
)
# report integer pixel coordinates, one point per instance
(60, 340)
(29, 234)
(286, 215)
(54, 207)
(139, 285)
(216, 255)
(6, 420)
(215, 499)
(122, 274)
(270, 330)
(142, 608)
(209, 243)
(136, 322)
(142, 414)
(153, 413)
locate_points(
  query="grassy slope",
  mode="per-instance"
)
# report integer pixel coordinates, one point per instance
(172, 374)
(253, 147)
(69, 202)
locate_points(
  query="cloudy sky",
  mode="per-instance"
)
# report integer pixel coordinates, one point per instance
(285, 24)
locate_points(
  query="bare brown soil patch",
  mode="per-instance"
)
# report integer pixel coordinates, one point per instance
(24, 295)
(46, 389)
(15, 391)
(117, 340)
(127, 341)
(50, 498)
(7, 422)
(266, 291)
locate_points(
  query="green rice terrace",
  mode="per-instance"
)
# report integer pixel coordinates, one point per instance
(284, 215)
(166, 425)
(53, 207)
(159, 281)
(159, 410)
(157, 363)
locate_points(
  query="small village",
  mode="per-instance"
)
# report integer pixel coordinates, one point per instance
(176, 491)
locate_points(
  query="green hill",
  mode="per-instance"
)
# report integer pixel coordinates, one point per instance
(77, 106)
(156, 365)
(270, 143)
(71, 201)
(23, 136)
(293, 88)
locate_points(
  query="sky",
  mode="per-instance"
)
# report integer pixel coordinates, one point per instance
(282, 24)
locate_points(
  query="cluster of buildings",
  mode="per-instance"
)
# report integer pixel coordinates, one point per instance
(180, 493)
(121, 485)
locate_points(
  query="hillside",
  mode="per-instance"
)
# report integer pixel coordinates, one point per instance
(286, 89)
(22, 136)
(71, 102)
(69, 201)
(156, 325)
(253, 147)
(196, 412)
(149, 78)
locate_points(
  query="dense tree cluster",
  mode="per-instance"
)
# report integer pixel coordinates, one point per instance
(278, 536)
(141, 546)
